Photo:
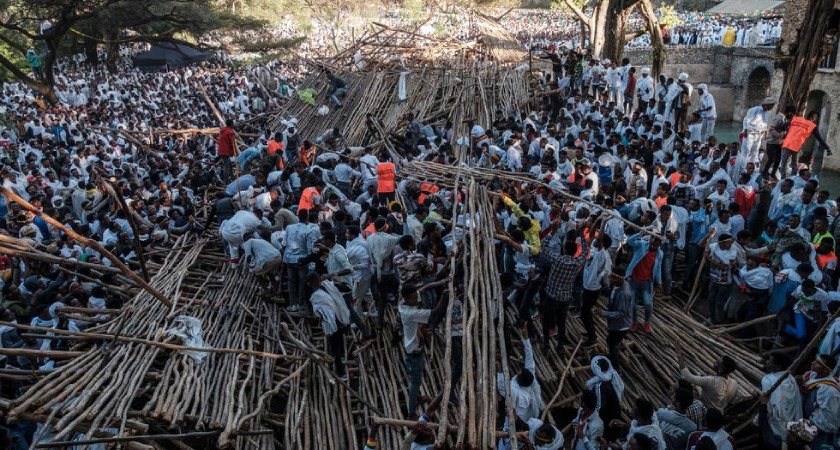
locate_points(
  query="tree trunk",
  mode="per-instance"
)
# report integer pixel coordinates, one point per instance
(809, 51)
(615, 28)
(91, 55)
(648, 11)
(111, 56)
(112, 52)
(597, 33)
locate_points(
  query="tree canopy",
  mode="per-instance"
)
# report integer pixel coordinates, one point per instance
(54, 28)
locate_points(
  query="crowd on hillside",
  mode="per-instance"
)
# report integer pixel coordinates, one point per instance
(537, 29)
(663, 206)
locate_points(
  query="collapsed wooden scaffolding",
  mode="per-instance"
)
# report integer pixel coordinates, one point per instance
(262, 387)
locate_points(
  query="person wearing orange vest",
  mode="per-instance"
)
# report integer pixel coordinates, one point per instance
(311, 196)
(426, 189)
(825, 257)
(275, 144)
(799, 131)
(386, 178)
(307, 154)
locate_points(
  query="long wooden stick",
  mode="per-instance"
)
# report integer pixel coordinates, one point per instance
(562, 381)
(804, 354)
(52, 354)
(133, 340)
(90, 243)
(153, 437)
(111, 187)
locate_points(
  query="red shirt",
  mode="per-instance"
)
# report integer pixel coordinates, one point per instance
(745, 201)
(644, 270)
(227, 142)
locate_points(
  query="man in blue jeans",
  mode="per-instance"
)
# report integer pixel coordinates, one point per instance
(701, 219)
(338, 88)
(644, 273)
(668, 228)
(413, 317)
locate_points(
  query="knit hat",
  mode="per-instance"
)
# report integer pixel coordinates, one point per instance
(769, 101)
(683, 76)
(703, 86)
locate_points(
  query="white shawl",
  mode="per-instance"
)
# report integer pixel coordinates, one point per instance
(600, 376)
(329, 305)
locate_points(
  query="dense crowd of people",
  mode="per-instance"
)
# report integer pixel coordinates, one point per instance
(538, 29)
(662, 206)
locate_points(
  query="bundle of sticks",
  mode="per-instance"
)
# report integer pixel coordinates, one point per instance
(124, 369)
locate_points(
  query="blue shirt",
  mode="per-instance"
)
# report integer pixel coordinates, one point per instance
(640, 249)
(240, 184)
(700, 223)
(247, 155)
(300, 241)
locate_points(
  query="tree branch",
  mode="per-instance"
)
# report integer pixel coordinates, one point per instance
(630, 36)
(578, 12)
(19, 74)
(15, 45)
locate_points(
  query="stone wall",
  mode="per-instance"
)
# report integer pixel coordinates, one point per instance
(828, 82)
(727, 70)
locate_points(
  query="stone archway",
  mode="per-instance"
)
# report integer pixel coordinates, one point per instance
(758, 86)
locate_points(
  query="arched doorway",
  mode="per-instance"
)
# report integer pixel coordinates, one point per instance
(819, 102)
(758, 87)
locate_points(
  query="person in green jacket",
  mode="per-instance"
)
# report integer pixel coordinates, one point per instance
(35, 63)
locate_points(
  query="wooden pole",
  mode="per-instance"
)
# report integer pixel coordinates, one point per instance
(562, 381)
(154, 437)
(88, 242)
(134, 340)
(111, 187)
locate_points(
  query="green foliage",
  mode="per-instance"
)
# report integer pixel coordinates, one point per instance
(560, 5)
(668, 17)
(15, 57)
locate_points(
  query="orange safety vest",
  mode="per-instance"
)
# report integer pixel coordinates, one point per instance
(369, 230)
(306, 201)
(798, 132)
(426, 189)
(307, 157)
(385, 176)
(823, 260)
(274, 146)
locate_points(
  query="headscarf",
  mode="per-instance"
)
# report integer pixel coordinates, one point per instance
(600, 376)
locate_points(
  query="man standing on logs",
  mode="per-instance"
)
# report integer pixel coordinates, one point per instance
(338, 88)
(227, 149)
(644, 274)
(414, 318)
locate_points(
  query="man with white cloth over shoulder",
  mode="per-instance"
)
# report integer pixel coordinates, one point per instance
(330, 306)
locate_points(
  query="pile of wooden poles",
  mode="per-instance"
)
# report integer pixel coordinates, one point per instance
(125, 370)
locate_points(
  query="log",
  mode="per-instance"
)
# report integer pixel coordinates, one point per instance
(134, 340)
(153, 437)
(52, 354)
(88, 242)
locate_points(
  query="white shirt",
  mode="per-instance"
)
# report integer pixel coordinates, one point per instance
(758, 278)
(706, 100)
(260, 252)
(644, 88)
(756, 120)
(359, 257)
(411, 317)
(597, 269)
(344, 173)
